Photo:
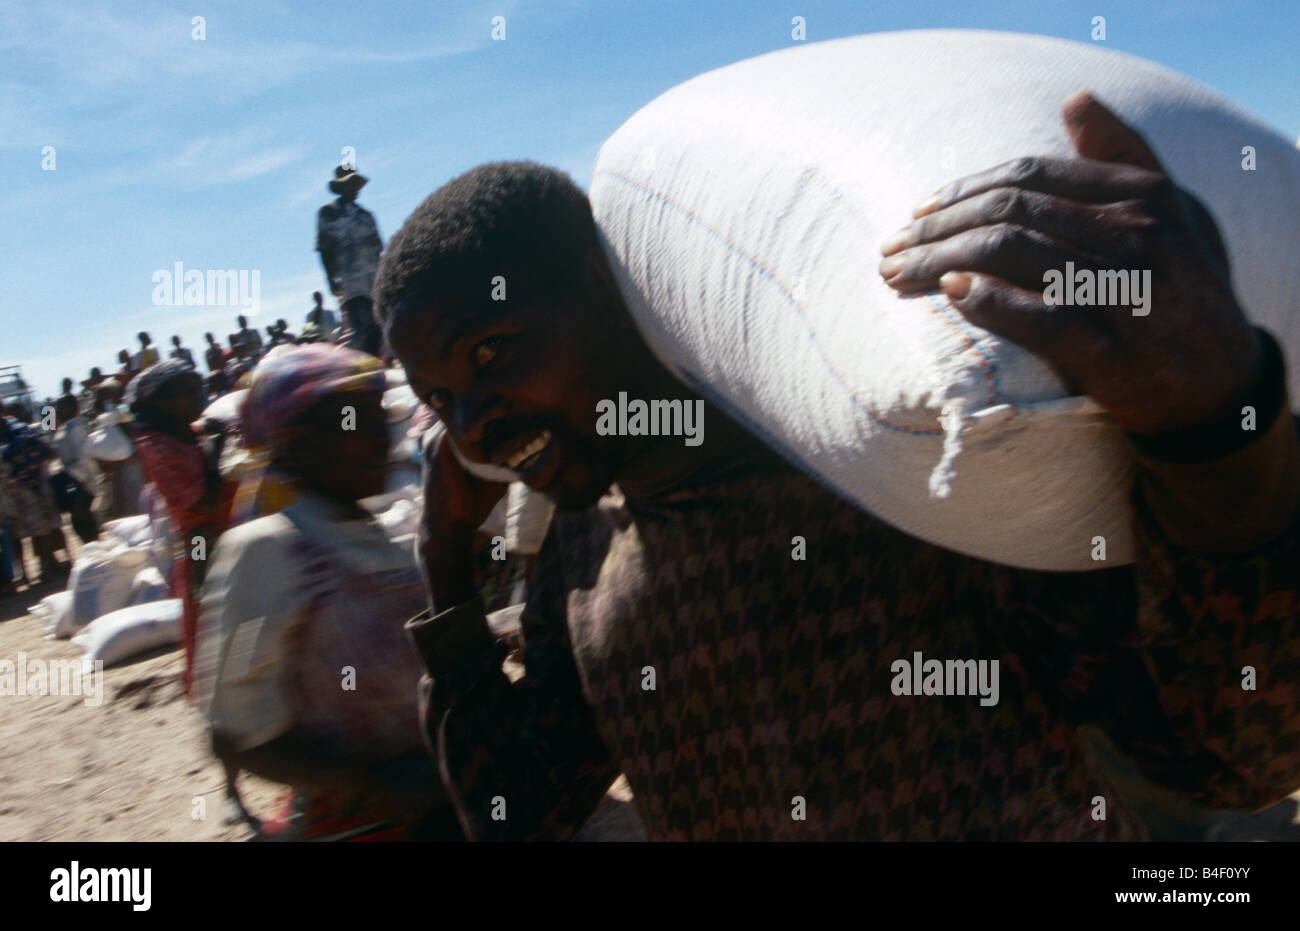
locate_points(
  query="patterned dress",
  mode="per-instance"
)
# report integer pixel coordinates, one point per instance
(24, 470)
(177, 470)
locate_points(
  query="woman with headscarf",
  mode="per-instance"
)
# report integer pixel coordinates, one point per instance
(304, 671)
(180, 461)
(24, 471)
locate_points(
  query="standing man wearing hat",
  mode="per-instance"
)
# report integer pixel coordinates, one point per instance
(349, 246)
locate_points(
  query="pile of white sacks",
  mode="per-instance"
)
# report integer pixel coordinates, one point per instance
(116, 604)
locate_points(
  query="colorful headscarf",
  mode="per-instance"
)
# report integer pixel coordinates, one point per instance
(281, 389)
(145, 387)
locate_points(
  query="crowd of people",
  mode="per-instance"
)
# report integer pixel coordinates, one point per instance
(89, 433)
(668, 634)
(260, 502)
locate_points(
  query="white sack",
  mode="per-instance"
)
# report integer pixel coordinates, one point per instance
(226, 409)
(743, 212)
(133, 531)
(100, 582)
(148, 585)
(110, 443)
(122, 634)
(51, 610)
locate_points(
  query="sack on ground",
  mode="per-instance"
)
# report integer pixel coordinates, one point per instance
(122, 634)
(51, 611)
(133, 531)
(101, 582)
(148, 585)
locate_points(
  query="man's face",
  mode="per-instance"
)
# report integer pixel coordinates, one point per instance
(517, 384)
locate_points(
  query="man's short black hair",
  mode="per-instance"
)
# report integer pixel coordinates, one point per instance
(526, 222)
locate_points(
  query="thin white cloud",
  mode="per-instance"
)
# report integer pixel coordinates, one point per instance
(218, 159)
(88, 47)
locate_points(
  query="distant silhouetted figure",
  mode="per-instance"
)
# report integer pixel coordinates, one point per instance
(349, 246)
(246, 343)
(180, 352)
(147, 355)
(214, 355)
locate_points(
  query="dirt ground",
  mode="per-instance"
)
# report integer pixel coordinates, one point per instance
(129, 769)
(133, 768)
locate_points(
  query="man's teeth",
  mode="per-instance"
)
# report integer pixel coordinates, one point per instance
(532, 449)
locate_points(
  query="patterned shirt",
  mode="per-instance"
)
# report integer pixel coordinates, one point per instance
(346, 232)
(748, 694)
(24, 450)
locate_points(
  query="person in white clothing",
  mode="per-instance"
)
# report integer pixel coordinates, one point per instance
(72, 444)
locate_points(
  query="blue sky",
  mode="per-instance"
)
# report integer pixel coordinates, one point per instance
(216, 153)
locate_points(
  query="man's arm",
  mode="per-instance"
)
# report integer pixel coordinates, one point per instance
(1218, 572)
(331, 272)
(1216, 506)
(520, 760)
(325, 246)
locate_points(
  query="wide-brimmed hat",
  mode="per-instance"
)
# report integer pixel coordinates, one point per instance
(345, 177)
